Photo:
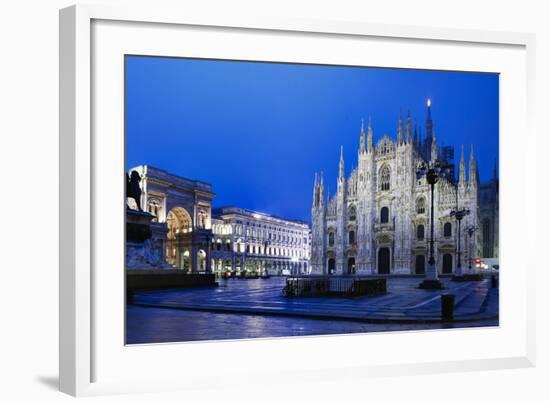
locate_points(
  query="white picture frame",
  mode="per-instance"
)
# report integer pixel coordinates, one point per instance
(82, 343)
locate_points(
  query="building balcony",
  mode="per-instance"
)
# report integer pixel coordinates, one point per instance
(388, 226)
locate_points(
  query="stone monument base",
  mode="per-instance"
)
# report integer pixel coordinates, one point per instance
(155, 279)
(431, 285)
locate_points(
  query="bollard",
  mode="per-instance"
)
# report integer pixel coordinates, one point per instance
(447, 307)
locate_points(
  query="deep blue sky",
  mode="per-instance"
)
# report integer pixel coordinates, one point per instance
(258, 132)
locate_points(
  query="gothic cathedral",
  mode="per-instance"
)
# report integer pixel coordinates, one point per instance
(377, 222)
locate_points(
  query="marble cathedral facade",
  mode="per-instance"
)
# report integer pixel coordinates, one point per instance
(377, 222)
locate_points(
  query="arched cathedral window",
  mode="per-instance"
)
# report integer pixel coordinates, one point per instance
(384, 215)
(447, 230)
(385, 178)
(352, 213)
(421, 206)
(331, 238)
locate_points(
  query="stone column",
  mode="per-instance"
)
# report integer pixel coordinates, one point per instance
(193, 252)
(208, 251)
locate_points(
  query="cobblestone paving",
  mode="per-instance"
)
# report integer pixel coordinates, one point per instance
(403, 301)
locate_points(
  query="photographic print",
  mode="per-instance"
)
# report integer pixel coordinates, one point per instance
(268, 199)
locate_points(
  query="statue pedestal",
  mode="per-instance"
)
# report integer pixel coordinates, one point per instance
(144, 247)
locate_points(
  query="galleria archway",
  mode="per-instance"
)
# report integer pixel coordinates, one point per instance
(178, 237)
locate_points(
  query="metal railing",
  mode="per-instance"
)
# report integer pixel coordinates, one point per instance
(339, 286)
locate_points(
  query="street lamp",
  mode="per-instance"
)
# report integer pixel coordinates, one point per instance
(470, 230)
(432, 173)
(459, 214)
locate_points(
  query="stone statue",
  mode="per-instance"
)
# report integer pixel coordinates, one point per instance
(146, 256)
(133, 190)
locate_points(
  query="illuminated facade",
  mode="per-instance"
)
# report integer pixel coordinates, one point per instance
(255, 242)
(182, 217)
(190, 236)
(377, 222)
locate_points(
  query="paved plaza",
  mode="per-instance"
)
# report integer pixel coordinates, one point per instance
(257, 303)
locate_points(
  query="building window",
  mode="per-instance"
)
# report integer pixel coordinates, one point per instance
(352, 213)
(384, 215)
(385, 178)
(421, 206)
(351, 237)
(447, 230)
(420, 232)
(331, 239)
(331, 266)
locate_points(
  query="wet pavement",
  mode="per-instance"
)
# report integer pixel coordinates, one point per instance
(154, 325)
(253, 308)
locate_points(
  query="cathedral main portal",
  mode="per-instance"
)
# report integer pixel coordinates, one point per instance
(384, 261)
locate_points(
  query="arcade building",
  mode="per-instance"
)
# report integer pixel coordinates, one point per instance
(189, 235)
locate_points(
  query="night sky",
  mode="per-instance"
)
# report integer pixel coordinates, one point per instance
(258, 132)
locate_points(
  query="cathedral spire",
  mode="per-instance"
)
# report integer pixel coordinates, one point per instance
(321, 191)
(427, 145)
(369, 137)
(400, 129)
(429, 123)
(408, 127)
(462, 169)
(434, 148)
(473, 170)
(315, 191)
(362, 137)
(341, 172)
(421, 142)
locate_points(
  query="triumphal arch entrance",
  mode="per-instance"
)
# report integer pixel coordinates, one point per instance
(182, 217)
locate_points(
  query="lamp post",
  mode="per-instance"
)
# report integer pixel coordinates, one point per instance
(459, 214)
(470, 230)
(432, 173)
